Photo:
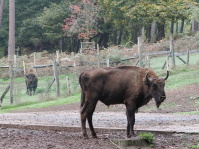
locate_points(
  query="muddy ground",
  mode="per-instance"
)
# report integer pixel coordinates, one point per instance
(183, 99)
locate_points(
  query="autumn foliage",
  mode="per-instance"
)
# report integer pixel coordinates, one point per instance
(82, 21)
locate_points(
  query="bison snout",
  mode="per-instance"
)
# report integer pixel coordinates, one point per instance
(162, 98)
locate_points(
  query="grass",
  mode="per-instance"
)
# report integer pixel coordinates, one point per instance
(148, 137)
(34, 105)
(179, 77)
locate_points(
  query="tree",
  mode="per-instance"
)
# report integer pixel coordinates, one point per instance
(1, 11)
(11, 43)
(83, 20)
(195, 18)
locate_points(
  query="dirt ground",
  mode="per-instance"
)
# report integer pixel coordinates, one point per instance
(183, 99)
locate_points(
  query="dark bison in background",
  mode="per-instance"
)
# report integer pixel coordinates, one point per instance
(129, 85)
(31, 81)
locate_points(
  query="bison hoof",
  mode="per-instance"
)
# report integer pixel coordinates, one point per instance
(130, 135)
(85, 136)
(94, 136)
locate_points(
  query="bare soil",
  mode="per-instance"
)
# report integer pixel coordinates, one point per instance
(184, 99)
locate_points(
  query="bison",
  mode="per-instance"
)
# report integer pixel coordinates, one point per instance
(31, 81)
(129, 85)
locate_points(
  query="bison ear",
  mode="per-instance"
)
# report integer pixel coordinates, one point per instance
(147, 79)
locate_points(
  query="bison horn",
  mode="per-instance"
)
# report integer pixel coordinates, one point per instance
(167, 75)
(147, 80)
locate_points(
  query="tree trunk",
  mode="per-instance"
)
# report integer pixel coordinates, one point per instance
(119, 37)
(103, 41)
(115, 38)
(176, 26)
(1, 11)
(142, 34)
(135, 34)
(153, 29)
(195, 26)
(148, 33)
(172, 25)
(182, 26)
(161, 32)
(11, 42)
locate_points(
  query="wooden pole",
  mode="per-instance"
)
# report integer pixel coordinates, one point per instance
(34, 62)
(148, 61)
(11, 81)
(98, 56)
(56, 75)
(108, 60)
(140, 51)
(68, 85)
(74, 65)
(57, 55)
(172, 51)
(1, 11)
(15, 61)
(3, 95)
(188, 57)
(11, 42)
(24, 67)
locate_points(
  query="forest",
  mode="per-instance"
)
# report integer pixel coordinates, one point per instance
(63, 24)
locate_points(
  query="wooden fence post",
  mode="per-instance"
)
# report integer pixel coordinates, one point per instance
(188, 57)
(172, 51)
(108, 60)
(140, 41)
(148, 61)
(57, 55)
(34, 62)
(3, 95)
(98, 56)
(68, 85)
(56, 75)
(11, 81)
(15, 61)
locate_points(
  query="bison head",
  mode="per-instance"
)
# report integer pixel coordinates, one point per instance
(156, 88)
(30, 78)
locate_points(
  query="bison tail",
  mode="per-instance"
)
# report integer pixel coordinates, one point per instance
(82, 105)
(83, 102)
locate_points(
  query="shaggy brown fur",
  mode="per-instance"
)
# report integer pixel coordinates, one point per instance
(31, 80)
(129, 85)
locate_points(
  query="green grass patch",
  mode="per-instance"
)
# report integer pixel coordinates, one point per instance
(35, 105)
(195, 146)
(189, 113)
(148, 137)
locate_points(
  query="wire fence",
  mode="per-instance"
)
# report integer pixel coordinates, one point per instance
(70, 67)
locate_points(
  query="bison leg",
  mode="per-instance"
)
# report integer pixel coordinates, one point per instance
(87, 113)
(34, 90)
(83, 125)
(29, 91)
(130, 113)
(91, 109)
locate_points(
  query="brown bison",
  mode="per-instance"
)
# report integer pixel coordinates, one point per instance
(129, 85)
(31, 81)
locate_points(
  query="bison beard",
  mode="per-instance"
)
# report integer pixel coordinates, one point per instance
(31, 81)
(129, 85)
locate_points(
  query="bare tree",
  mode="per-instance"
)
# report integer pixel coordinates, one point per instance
(153, 29)
(1, 11)
(11, 44)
